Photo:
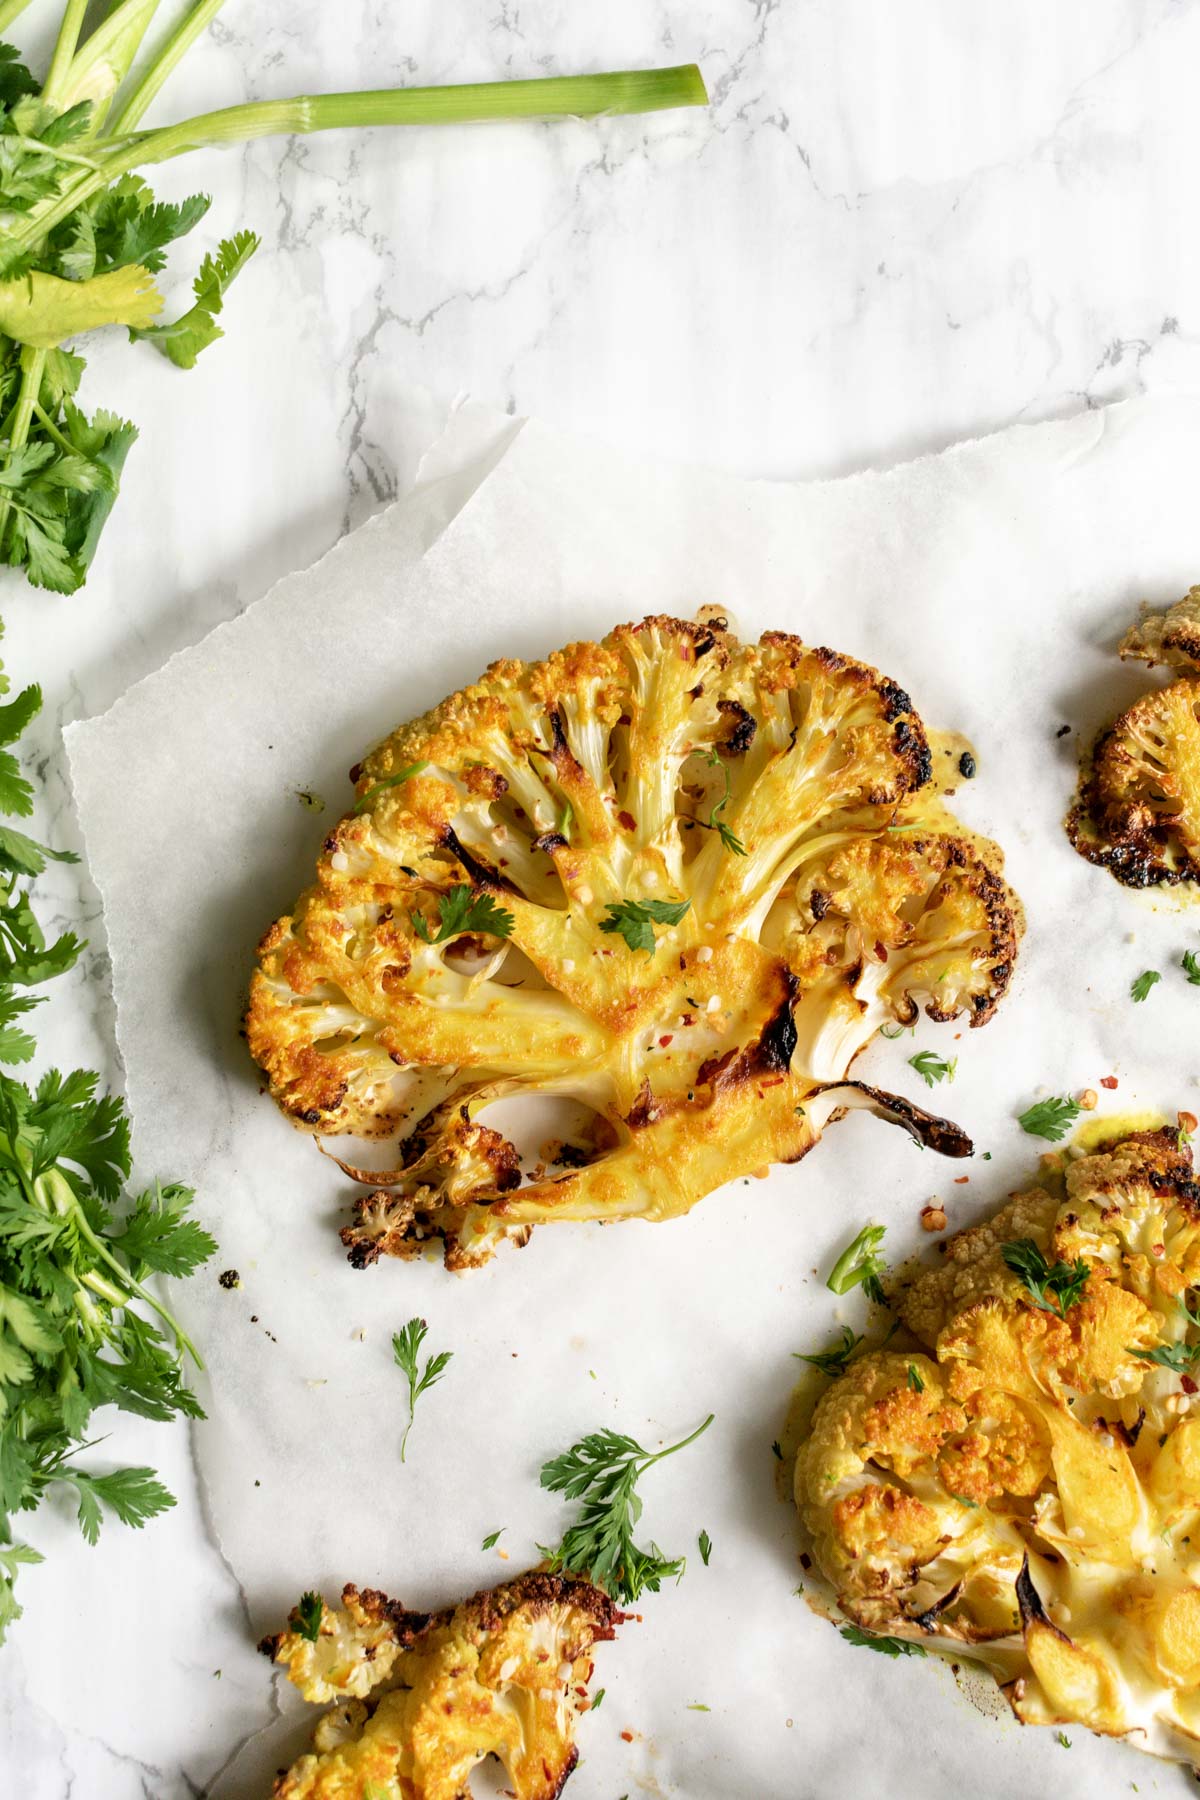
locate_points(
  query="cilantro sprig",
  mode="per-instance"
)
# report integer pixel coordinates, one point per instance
(1057, 1286)
(861, 1263)
(1140, 986)
(1189, 962)
(933, 1069)
(84, 238)
(406, 1349)
(635, 920)
(307, 1616)
(602, 1470)
(1050, 1119)
(461, 909)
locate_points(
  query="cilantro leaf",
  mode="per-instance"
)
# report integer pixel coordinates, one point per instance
(135, 1495)
(1141, 985)
(915, 1380)
(1050, 1119)
(492, 1539)
(704, 1544)
(184, 339)
(158, 1236)
(1190, 964)
(1055, 1287)
(635, 920)
(933, 1069)
(461, 909)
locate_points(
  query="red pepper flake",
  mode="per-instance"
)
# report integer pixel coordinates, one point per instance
(627, 820)
(961, 1180)
(1108, 1081)
(626, 1735)
(1187, 1384)
(664, 1041)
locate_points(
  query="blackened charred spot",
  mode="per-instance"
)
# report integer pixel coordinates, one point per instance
(558, 730)
(819, 902)
(910, 744)
(742, 726)
(702, 645)
(549, 842)
(967, 766)
(778, 1040)
(1030, 1603)
(928, 1620)
(479, 872)
(355, 772)
(895, 700)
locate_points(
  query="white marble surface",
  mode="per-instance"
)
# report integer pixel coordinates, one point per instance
(896, 227)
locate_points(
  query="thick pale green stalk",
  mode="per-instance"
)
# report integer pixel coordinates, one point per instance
(549, 97)
(132, 110)
(64, 49)
(98, 70)
(10, 10)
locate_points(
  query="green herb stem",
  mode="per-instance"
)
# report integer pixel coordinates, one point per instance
(33, 367)
(11, 10)
(65, 46)
(546, 97)
(159, 70)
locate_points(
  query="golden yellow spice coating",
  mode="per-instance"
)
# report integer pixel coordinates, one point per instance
(423, 1698)
(675, 880)
(1137, 812)
(1024, 1488)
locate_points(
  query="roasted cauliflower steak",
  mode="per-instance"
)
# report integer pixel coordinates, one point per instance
(677, 880)
(421, 1698)
(1023, 1488)
(1137, 812)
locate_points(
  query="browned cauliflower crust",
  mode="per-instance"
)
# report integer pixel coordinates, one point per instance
(422, 1698)
(1171, 637)
(1025, 1489)
(1137, 812)
(782, 799)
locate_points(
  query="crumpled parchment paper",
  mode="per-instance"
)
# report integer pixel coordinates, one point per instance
(993, 582)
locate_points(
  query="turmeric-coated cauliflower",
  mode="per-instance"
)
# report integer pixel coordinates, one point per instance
(1137, 812)
(423, 1698)
(1024, 1487)
(675, 880)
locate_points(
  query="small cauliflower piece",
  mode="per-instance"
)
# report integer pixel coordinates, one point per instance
(1171, 637)
(1030, 1486)
(431, 1695)
(1137, 811)
(769, 813)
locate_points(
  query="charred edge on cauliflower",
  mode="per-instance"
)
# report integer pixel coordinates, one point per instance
(764, 798)
(1137, 812)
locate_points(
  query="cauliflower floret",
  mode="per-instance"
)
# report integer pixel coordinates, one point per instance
(973, 1267)
(503, 1674)
(1054, 1416)
(1138, 808)
(671, 879)
(1171, 637)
